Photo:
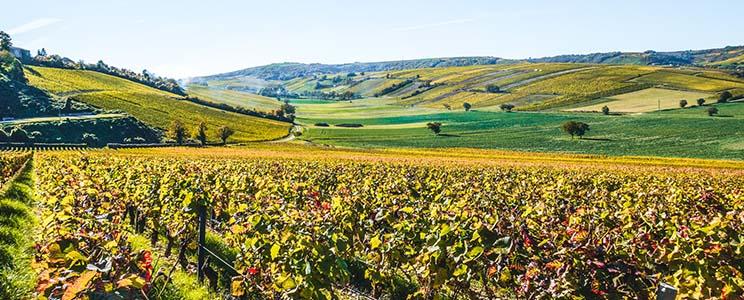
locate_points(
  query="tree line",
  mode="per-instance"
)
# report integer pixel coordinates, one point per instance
(55, 61)
(145, 77)
(179, 133)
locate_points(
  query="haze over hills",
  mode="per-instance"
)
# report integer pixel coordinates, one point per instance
(730, 56)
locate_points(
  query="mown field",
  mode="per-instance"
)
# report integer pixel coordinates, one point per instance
(154, 107)
(677, 133)
(394, 223)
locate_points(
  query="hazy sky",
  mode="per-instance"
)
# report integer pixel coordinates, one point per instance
(188, 38)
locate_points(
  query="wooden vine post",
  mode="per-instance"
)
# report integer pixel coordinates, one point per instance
(202, 255)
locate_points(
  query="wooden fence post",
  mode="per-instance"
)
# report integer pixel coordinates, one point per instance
(202, 237)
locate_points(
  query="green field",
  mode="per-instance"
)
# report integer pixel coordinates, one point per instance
(152, 106)
(678, 133)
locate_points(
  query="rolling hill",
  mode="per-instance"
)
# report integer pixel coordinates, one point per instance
(289, 71)
(529, 86)
(154, 107)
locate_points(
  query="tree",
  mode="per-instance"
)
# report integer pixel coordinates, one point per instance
(5, 41)
(492, 88)
(712, 111)
(682, 103)
(68, 105)
(605, 110)
(225, 132)
(201, 133)
(41, 52)
(466, 106)
(507, 107)
(178, 132)
(700, 102)
(286, 110)
(90, 139)
(18, 135)
(724, 97)
(4, 136)
(435, 127)
(575, 128)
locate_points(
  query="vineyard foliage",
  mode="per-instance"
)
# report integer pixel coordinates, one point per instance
(10, 163)
(309, 228)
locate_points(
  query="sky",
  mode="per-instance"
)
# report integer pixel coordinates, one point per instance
(189, 38)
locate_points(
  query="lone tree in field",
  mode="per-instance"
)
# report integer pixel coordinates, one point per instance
(605, 110)
(507, 107)
(435, 127)
(225, 133)
(682, 103)
(492, 88)
(724, 97)
(178, 132)
(5, 41)
(201, 133)
(466, 106)
(700, 102)
(575, 128)
(712, 111)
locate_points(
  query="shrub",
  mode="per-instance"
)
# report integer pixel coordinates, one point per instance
(682, 103)
(700, 102)
(435, 127)
(605, 110)
(724, 97)
(507, 107)
(466, 106)
(349, 125)
(492, 88)
(712, 111)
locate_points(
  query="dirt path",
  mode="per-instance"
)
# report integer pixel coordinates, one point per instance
(288, 138)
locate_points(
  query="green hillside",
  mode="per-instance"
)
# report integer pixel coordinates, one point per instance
(152, 106)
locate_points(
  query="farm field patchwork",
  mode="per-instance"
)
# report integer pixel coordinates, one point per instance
(687, 133)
